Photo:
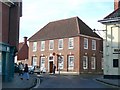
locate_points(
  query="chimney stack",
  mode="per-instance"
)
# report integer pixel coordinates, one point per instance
(116, 4)
(25, 40)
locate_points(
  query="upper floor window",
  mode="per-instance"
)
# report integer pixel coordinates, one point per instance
(93, 44)
(51, 45)
(60, 44)
(34, 46)
(71, 43)
(42, 45)
(85, 43)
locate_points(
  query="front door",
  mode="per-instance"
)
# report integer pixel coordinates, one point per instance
(51, 66)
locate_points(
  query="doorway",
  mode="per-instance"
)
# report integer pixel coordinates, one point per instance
(51, 66)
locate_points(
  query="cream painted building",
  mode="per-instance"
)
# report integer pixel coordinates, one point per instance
(111, 46)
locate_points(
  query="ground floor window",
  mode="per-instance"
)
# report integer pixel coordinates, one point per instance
(102, 63)
(85, 62)
(0, 62)
(42, 64)
(93, 62)
(61, 62)
(115, 63)
(34, 61)
(70, 62)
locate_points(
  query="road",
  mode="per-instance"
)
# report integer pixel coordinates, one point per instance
(71, 81)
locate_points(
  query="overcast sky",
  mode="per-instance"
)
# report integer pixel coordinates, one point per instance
(37, 13)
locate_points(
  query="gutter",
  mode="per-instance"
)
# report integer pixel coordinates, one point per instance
(109, 20)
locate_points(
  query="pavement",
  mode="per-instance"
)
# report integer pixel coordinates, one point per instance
(32, 82)
(113, 82)
(17, 83)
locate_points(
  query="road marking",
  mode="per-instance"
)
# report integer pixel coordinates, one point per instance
(38, 83)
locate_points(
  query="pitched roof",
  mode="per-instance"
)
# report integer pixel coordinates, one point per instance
(114, 14)
(23, 51)
(20, 45)
(63, 29)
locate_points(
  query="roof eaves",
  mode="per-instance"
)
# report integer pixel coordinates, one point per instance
(110, 20)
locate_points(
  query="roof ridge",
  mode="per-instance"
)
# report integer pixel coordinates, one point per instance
(64, 19)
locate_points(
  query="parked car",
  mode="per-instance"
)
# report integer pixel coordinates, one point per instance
(31, 69)
(37, 70)
(43, 70)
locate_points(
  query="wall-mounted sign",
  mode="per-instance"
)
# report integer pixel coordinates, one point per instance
(116, 51)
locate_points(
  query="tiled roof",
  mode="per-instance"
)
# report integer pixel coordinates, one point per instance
(20, 45)
(114, 14)
(23, 51)
(63, 29)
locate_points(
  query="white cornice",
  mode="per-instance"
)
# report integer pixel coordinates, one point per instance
(110, 20)
(90, 37)
(7, 2)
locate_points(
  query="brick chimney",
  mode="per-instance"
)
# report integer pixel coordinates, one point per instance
(25, 40)
(116, 4)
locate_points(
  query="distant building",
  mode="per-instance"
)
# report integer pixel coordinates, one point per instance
(69, 44)
(10, 13)
(22, 55)
(112, 43)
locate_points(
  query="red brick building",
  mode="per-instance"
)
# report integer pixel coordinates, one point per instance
(77, 49)
(22, 55)
(10, 13)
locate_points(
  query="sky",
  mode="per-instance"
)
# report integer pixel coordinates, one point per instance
(38, 13)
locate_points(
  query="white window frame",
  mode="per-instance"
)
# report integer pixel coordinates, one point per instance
(93, 44)
(61, 63)
(60, 44)
(34, 61)
(41, 62)
(85, 43)
(71, 43)
(93, 62)
(85, 64)
(71, 67)
(42, 45)
(51, 42)
(34, 46)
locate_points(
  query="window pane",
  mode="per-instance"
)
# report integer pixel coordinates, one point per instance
(71, 62)
(93, 45)
(51, 44)
(34, 46)
(61, 62)
(42, 62)
(60, 44)
(92, 62)
(115, 63)
(34, 61)
(71, 43)
(85, 62)
(85, 43)
(42, 45)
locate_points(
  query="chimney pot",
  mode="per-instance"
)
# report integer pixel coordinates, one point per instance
(25, 40)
